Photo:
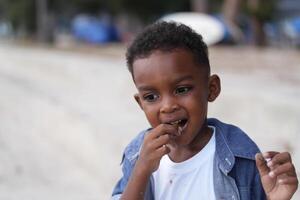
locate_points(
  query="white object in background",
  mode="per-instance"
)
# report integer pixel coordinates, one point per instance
(210, 28)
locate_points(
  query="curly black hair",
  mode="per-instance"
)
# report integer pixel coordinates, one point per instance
(167, 36)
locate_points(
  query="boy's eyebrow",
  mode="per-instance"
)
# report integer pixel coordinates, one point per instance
(143, 88)
(187, 77)
(176, 81)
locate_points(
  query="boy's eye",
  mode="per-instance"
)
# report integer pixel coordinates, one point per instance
(182, 90)
(150, 97)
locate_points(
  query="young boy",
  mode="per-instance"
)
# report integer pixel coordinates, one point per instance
(185, 155)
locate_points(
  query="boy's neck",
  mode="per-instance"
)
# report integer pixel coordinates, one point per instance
(182, 153)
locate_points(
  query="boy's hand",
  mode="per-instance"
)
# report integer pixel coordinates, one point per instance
(278, 175)
(154, 147)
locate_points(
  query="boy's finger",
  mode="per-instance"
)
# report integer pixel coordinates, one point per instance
(162, 140)
(167, 129)
(261, 165)
(280, 158)
(269, 154)
(288, 180)
(160, 152)
(162, 129)
(285, 168)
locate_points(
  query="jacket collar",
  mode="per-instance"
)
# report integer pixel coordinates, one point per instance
(231, 142)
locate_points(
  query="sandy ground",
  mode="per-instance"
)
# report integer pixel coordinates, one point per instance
(67, 115)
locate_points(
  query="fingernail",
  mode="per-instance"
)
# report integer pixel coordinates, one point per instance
(179, 130)
(272, 174)
(269, 163)
(265, 155)
(268, 159)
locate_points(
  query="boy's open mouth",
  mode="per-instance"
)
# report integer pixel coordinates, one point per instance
(181, 124)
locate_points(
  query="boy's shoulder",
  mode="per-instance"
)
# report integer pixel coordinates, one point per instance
(132, 150)
(231, 138)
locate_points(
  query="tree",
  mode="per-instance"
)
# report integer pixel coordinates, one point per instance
(44, 33)
(21, 13)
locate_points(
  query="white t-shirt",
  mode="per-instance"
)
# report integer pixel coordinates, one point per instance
(191, 179)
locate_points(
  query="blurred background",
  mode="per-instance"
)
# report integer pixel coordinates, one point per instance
(67, 109)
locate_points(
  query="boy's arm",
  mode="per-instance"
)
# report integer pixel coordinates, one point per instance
(278, 175)
(153, 148)
(137, 183)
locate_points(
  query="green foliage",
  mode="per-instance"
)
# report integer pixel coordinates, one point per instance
(21, 13)
(264, 11)
(215, 6)
(150, 10)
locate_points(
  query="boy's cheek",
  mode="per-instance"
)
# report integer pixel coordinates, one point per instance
(153, 121)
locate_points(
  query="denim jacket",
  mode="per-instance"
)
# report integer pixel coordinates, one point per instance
(235, 174)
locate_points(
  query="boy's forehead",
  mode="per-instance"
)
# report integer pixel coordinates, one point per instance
(168, 63)
(165, 56)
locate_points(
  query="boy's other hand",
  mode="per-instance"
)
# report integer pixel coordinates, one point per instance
(155, 147)
(277, 174)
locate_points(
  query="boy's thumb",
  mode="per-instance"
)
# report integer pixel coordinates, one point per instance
(261, 164)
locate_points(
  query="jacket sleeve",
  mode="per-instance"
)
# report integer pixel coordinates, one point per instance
(121, 184)
(129, 159)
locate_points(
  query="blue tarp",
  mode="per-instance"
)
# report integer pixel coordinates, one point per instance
(94, 30)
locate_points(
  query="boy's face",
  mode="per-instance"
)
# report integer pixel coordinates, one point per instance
(174, 89)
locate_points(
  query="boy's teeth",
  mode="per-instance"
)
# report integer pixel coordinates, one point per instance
(176, 122)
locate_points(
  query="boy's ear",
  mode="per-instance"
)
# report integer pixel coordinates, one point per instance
(214, 87)
(138, 100)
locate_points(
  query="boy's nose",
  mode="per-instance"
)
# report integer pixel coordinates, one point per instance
(169, 105)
